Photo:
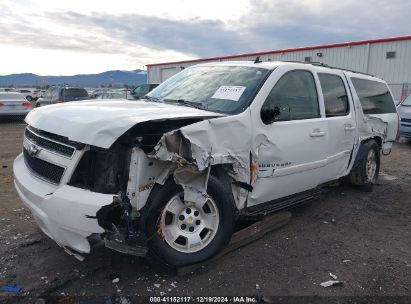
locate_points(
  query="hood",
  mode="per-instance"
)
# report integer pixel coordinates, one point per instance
(101, 123)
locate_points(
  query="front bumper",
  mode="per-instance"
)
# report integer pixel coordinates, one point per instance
(60, 211)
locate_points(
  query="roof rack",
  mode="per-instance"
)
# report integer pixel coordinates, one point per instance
(315, 63)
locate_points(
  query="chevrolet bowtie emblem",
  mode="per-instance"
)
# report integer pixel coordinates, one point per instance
(33, 150)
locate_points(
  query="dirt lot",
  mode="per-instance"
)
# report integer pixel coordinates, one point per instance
(364, 238)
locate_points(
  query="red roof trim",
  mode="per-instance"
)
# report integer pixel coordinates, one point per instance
(315, 47)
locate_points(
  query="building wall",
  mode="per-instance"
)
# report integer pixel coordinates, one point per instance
(368, 58)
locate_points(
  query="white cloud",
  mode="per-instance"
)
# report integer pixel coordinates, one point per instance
(60, 48)
(16, 59)
(173, 9)
(78, 36)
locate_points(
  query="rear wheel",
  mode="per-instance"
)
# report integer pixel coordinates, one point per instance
(182, 233)
(366, 170)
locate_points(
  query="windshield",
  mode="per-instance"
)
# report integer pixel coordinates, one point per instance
(407, 101)
(222, 89)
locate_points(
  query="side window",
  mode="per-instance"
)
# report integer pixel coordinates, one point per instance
(335, 95)
(374, 96)
(137, 91)
(293, 97)
(144, 89)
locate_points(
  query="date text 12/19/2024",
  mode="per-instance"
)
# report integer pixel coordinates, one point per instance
(203, 299)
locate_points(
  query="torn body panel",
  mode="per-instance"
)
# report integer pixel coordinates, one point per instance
(377, 127)
(144, 172)
(197, 147)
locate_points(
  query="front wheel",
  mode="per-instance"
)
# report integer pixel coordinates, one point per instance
(366, 171)
(181, 233)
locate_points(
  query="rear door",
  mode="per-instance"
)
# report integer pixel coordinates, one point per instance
(290, 153)
(341, 123)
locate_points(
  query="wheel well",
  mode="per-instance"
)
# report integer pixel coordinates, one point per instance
(376, 138)
(361, 153)
(220, 172)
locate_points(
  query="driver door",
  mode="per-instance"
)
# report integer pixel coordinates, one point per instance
(290, 152)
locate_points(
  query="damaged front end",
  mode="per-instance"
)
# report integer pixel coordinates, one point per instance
(187, 151)
(121, 228)
(191, 152)
(129, 170)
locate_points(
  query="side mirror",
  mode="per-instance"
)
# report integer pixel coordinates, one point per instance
(270, 114)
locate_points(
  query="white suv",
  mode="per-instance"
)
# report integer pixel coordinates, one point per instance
(171, 173)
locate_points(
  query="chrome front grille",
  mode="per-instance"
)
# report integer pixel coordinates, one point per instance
(48, 144)
(43, 169)
(49, 156)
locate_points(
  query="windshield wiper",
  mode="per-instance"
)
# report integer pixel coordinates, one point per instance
(187, 103)
(150, 98)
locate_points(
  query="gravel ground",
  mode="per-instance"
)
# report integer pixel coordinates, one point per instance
(363, 238)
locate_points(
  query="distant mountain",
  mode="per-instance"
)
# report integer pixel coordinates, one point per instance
(115, 78)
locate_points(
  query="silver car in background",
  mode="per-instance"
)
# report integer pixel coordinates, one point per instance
(14, 104)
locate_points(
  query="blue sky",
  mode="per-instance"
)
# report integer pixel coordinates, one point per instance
(69, 37)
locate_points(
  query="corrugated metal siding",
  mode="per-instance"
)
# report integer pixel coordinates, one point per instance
(367, 58)
(396, 70)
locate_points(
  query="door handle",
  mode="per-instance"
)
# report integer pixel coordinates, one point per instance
(317, 133)
(349, 128)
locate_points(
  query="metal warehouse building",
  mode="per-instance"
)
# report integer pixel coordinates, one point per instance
(387, 58)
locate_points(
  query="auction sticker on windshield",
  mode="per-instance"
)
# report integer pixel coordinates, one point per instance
(229, 92)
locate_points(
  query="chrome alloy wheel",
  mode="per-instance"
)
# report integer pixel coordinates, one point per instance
(189, 227)
(371, 166)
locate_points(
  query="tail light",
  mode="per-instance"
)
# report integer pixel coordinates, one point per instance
(27, 104)
(59, 100)
(398, 126)
(1, 104)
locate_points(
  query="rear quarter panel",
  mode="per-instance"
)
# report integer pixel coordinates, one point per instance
(384, 125)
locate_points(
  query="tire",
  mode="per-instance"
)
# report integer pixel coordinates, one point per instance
(366, 169)
(168, 216)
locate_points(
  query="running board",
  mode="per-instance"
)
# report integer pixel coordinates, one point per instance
(282, 203)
